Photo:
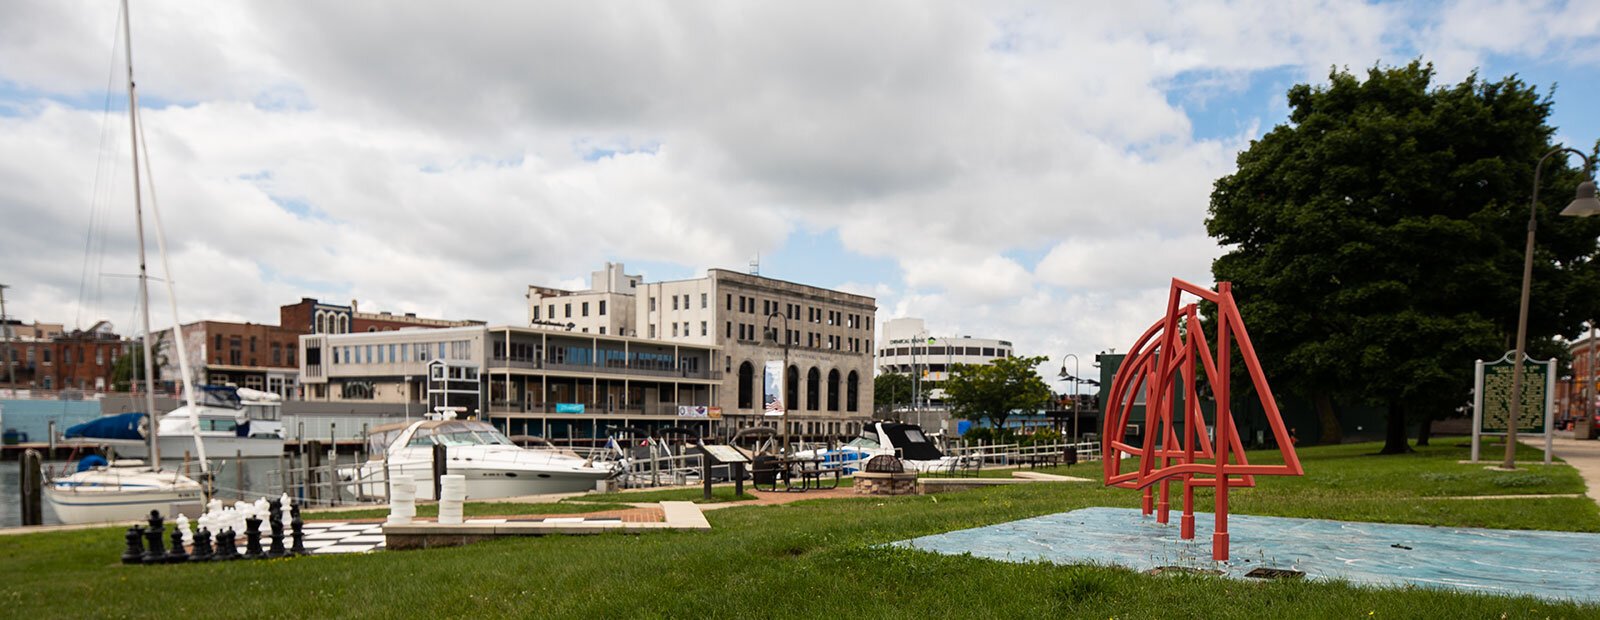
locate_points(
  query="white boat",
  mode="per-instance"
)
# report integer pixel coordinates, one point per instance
(127, 491)
(906, 441)
(233, 422)
(121, 491)
(492, 464)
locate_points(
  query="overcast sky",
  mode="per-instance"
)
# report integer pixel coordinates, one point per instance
(1030, 172)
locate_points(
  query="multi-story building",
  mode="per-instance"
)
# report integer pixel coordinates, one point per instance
(252, 355)
(606, 308)
(310, 316)
(555, 384)
(908, 348)
(53, 359)
(825, 335)
(1583, 381)
(31, 356)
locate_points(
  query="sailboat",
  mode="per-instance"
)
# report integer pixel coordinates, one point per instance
(128, 490)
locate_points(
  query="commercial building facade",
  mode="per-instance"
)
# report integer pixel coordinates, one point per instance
(828, 375)
(560, 385)
(907, 348)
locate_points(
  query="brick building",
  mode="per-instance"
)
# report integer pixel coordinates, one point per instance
(311, 316)
(252, 355)
(45, 356)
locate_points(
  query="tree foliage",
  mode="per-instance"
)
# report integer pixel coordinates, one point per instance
(1375, 242)
(993, 391)
(890, 389)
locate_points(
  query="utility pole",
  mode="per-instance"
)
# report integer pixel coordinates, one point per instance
(5, 324)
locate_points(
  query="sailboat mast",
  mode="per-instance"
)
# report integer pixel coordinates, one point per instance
(144, 274)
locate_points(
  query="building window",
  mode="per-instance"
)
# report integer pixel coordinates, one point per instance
(252, 344)
(652, 304)
(602, 331)
(674, 330)
(552, 313)
(730, 301)
(569, 309)
(703, 328)
(685, 301)
(703, 298)
(586, 308)
(219, 342)
(652, 330)
(602, 309)
(674, 302)
(536, 312)
(729, 334)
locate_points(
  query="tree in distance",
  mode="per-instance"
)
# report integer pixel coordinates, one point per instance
(1375, 241)
(993, 391)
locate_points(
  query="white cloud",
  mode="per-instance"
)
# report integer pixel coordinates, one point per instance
(436, 160)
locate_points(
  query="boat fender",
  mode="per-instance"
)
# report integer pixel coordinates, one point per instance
(90, 462)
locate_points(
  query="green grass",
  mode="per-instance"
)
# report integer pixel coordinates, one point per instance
(819, 558)
(472, 509)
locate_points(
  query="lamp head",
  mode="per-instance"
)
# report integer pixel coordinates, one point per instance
(1584, 204)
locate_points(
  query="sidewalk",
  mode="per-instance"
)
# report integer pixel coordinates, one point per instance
(1583, 455)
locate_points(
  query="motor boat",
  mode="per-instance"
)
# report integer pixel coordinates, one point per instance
(123, 490)
(492, 464)
(233, 421)
(907, 441)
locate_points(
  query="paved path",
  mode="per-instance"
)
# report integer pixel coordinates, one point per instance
(1583, 455)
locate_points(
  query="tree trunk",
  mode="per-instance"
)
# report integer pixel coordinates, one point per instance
(1395, 438)
(1332, 431)
(1424, 430)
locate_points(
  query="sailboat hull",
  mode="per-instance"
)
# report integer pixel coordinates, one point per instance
(106, 495)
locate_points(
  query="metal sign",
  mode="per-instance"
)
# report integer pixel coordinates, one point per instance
(1491, 399)
(725, 454)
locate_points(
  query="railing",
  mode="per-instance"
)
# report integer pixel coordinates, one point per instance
(607, 368)
(335, 428)
(1010, 453)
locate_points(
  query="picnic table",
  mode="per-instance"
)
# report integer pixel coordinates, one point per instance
(795, 474)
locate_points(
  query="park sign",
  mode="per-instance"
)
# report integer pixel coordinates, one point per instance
(1491, 402)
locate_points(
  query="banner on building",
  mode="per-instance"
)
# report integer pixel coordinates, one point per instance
(699, 411)
(569, 407)
(774, 389)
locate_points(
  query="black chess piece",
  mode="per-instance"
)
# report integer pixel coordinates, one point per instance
(277, 550)
(154, 552)
(252, 539)
(134, 554)
(299, 534)
(177, 553)
(227, 546)
(202, 546)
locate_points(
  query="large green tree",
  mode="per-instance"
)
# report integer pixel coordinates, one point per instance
(890, 389)
(1375, 241)
(992, 391)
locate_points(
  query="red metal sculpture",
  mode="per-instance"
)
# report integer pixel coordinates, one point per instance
(1163, 362)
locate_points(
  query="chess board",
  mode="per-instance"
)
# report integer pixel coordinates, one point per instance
(330, 537)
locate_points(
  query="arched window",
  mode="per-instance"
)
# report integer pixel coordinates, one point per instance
(747, 379)
(344, 324)
(791, 392)
(813, 383)
(852, 388)
(833, 390)
(321, 324)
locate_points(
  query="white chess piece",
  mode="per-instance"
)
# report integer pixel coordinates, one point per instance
(182, 523)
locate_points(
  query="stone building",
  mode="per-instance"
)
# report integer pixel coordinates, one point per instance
(829, 334)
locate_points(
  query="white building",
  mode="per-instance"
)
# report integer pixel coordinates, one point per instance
(556, 384)
(908, 348)
(828, 382)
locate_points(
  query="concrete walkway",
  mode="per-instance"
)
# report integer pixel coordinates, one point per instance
(1583, 455)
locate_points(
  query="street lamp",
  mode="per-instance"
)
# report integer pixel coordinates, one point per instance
(1583, 204)
(783, 377)
(1075, 381)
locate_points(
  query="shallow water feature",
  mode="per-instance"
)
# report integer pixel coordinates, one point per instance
(1551, 565)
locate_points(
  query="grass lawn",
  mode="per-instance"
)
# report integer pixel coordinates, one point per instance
(823, 558)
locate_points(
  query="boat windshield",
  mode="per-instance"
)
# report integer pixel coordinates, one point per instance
(378, 442)
(466, 433)
(868, 440)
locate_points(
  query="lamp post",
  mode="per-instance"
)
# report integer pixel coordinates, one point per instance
(1583, 204)
(783, 377)
(1075, 380)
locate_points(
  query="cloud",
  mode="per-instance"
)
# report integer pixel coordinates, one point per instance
(1032, 169)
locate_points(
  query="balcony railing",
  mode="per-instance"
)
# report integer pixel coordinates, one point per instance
(503, 406)
(616, 368)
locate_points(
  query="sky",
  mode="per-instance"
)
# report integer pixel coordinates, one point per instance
(1034, 172)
